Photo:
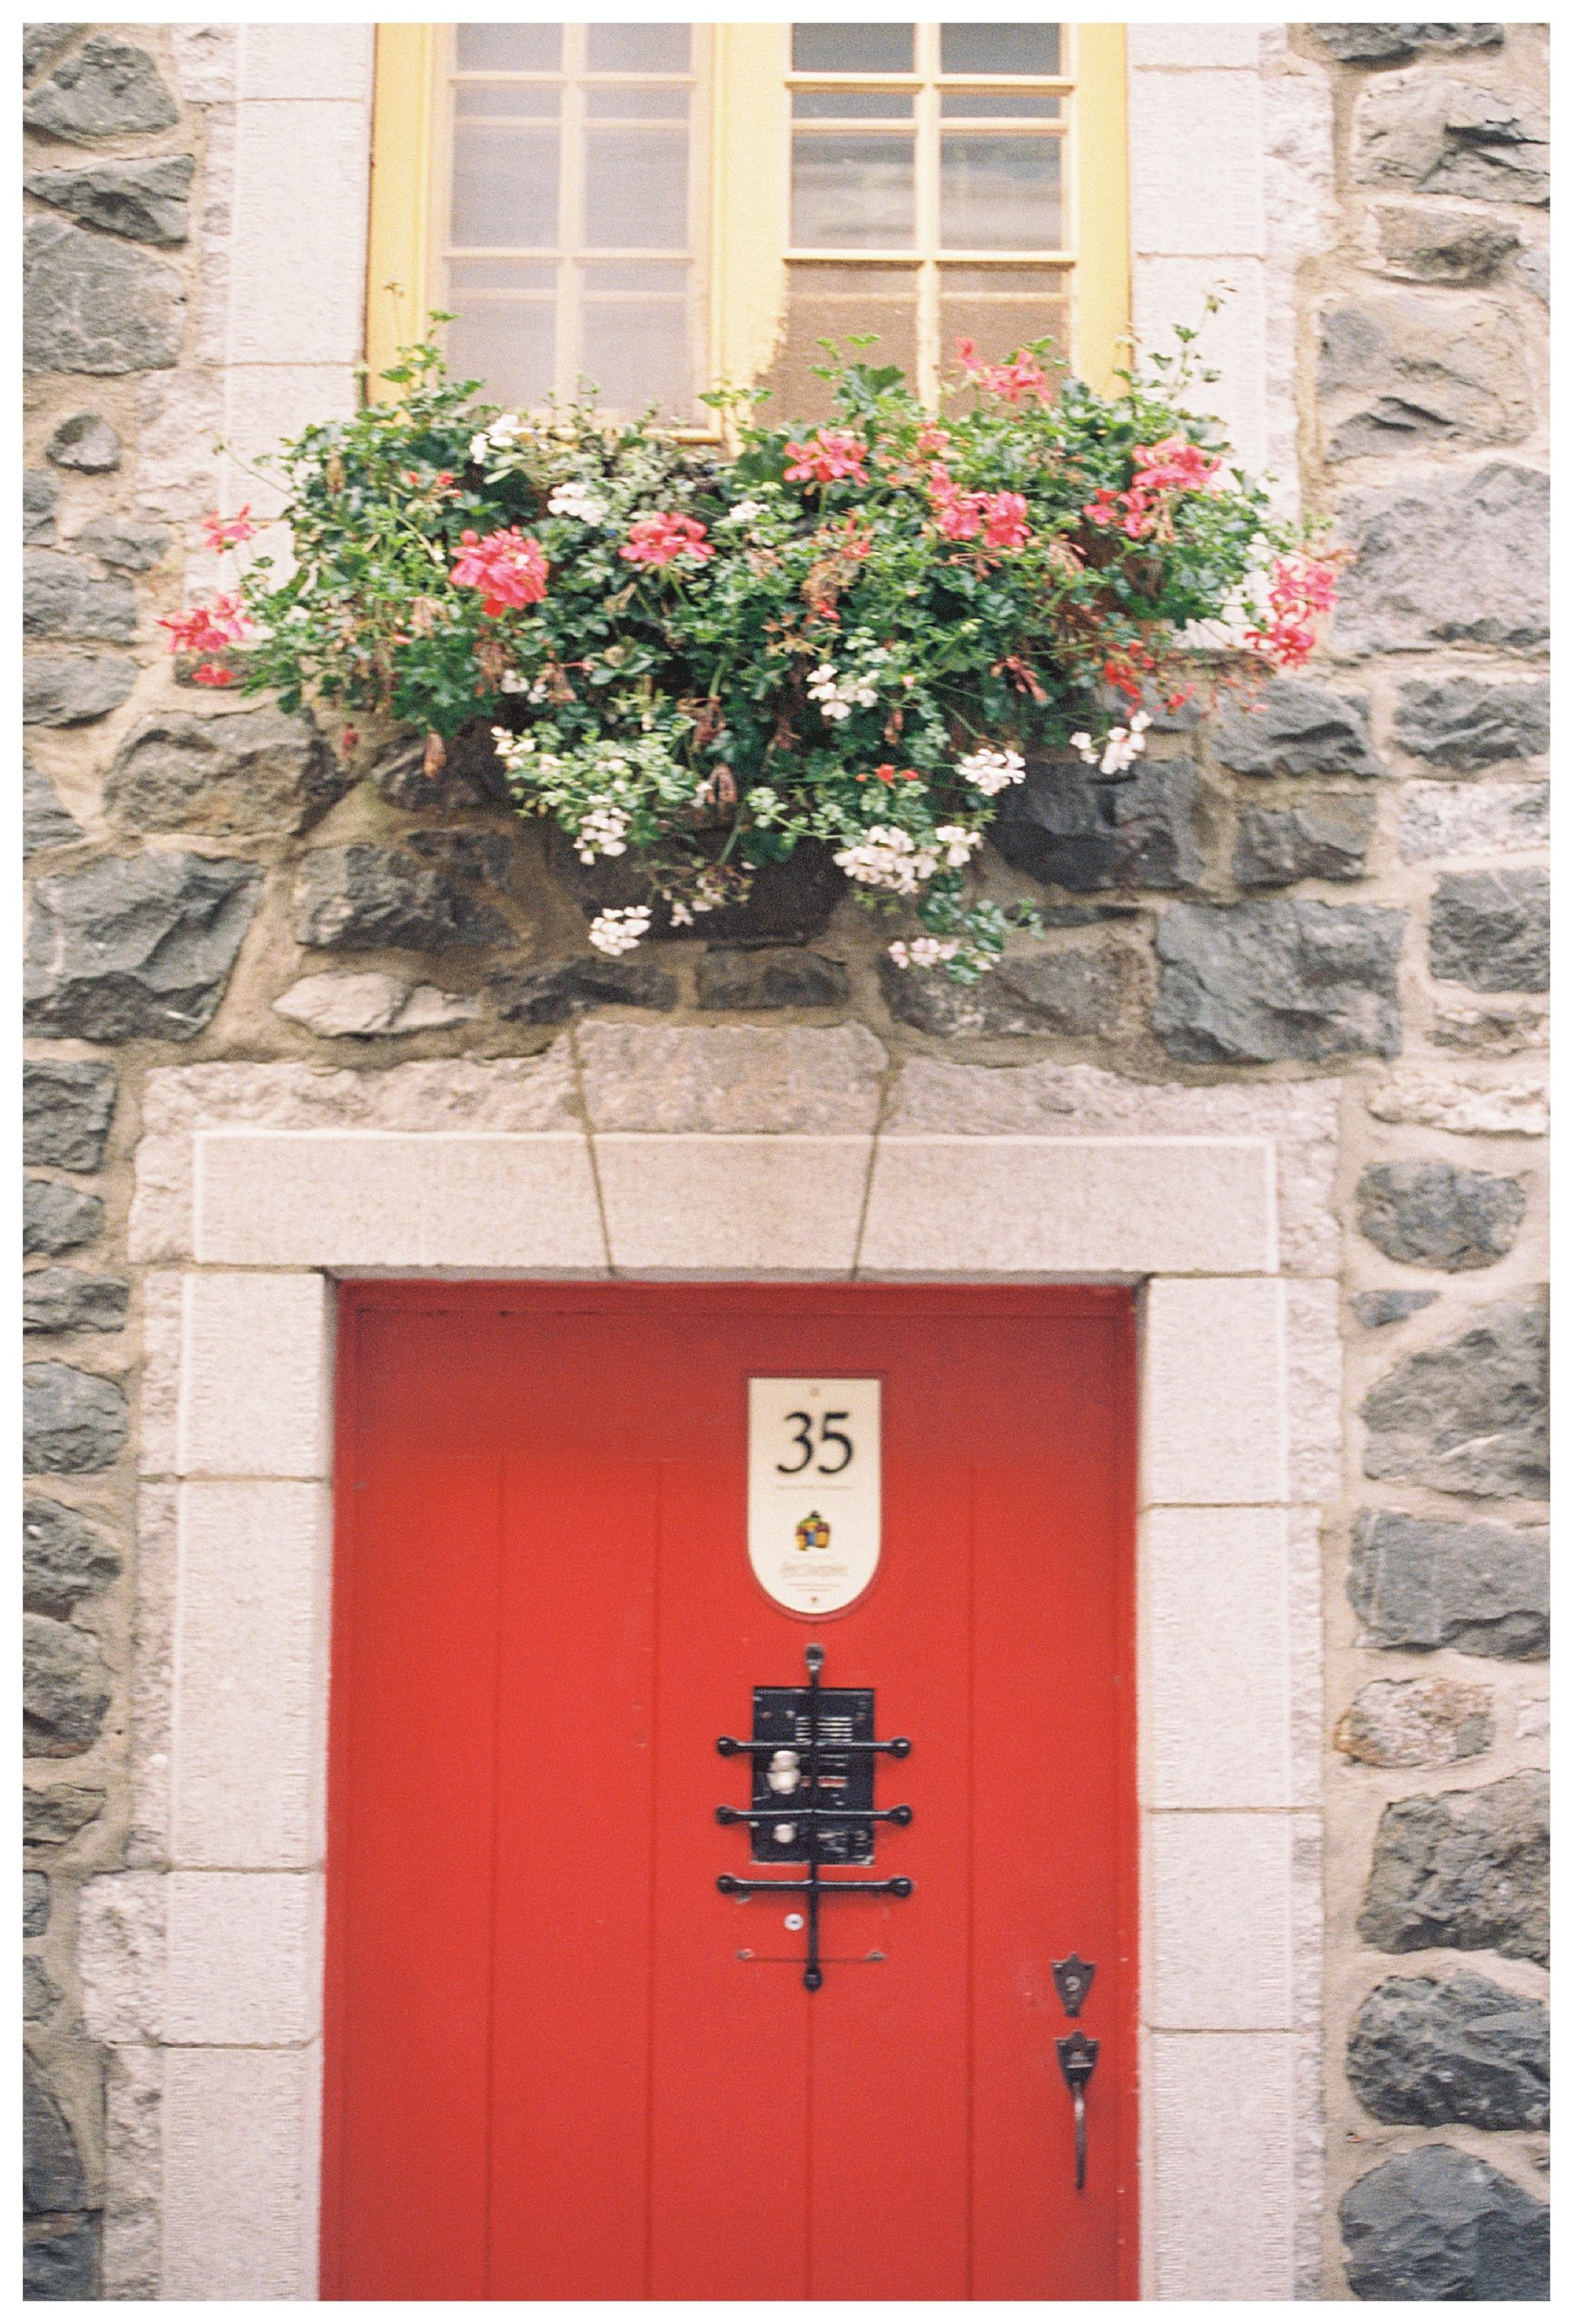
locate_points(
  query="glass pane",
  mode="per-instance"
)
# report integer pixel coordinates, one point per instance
(505, 188)
(667, 276)
(851, 105)
(637, 353)
(851, 194)
(998, 325)
(507, 48)
(852, 48)
(638, 102)
(997, 104)
(509, 345)
(833, 302)
(465, 274)
(505, 100)
(636, 188)
(999, 48)
(640, 48)
(1000, 193)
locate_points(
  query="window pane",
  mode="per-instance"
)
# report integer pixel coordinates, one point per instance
(834, 302)
(508, 344)
(851, 194)
(852, 48)
(851, 105)
(505, 188)
(636, 188)
(999, 308)
(999, 48)
(640, 48)
(505, 100)
(507, 48)
(467, 275)
(1000, 193)
(637, 353)
(997, 104)
(637, 101)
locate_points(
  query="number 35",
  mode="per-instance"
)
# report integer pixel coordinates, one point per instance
(804, 1435)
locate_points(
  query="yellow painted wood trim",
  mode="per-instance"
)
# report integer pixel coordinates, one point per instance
(1101, 308)
(399, 236)
(752, 130)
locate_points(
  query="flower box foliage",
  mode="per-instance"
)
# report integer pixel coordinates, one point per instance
(852, 634)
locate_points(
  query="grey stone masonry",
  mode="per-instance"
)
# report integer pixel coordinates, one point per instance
(1321, 897)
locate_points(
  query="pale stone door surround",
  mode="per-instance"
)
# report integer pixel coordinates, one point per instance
(639, 1152)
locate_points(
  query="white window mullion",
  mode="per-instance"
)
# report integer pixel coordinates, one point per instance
(571, 212)
(930, 354)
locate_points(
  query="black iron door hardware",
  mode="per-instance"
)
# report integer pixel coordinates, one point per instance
(1077, 2061)
(813, 1750)
(1073, 1982)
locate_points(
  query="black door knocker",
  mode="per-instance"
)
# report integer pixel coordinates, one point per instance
(812, 1749)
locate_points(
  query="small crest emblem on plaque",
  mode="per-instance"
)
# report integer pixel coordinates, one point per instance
(813, 1532)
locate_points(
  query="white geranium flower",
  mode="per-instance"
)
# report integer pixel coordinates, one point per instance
(991, 771)
(578, 501)
(620, 929)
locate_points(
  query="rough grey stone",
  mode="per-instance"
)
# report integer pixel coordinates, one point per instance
(1441, 819)
(769, 976)
(85, 441)
(70, 689)
(369, 1004)
(40, 43)
(1416, 1723)
(1490, 1032)
(1442, 136)
(1535, 267)
(45, 822)
(1399, 369)
(1492, 930)
(1410, 586)
(1423, 1582)
(65, 1113)
(551, 995)
(1469, 1869)
(1377, 1309)
(1387, 44)
(108, 89)
(1326, 838)
(53, 2179)
(63, 2263)
(1069, 831)
(1425, 242)
(789, 902)
(71, 1420)
(52, 1817)
(1296, 726)
(244, 774)
(40, 493)
(1470, 1416)
(1247, 983)
(63, 1559)
(136, 945)
(1439, 2224)
(40, 1994)
(1433, 1214)
(1452, 2050)
(65, 1689)
(470, 774)
(64, 1299)
(61, 596)
(35, 1903)
(147, 202)
(1074, 992)
(95, 306)
(487, 858)
(123, 542)
(359, 897)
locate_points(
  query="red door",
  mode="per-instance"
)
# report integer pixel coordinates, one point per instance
(560, 2063)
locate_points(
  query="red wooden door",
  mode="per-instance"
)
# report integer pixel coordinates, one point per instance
(561, 2065)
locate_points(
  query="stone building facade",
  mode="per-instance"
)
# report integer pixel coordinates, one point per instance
(1324, 925)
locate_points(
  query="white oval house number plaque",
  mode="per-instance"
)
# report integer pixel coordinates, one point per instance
(813, 1491)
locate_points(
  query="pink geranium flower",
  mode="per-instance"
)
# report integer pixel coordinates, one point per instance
(831, 456)
(1300, 589)
(229, 532)
(662, 539)
(509, 566)
(206, 629)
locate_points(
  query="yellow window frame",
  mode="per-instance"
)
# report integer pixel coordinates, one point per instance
(750, 207)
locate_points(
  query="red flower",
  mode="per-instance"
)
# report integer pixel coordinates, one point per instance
(831, 456)
(1177, 464)
(209, 674)
(999, 517)
(1300, 588)
(658, 540)
(205, 630)
(1022, 375)
(229, 532)
(1005, 524)
(509, 567)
